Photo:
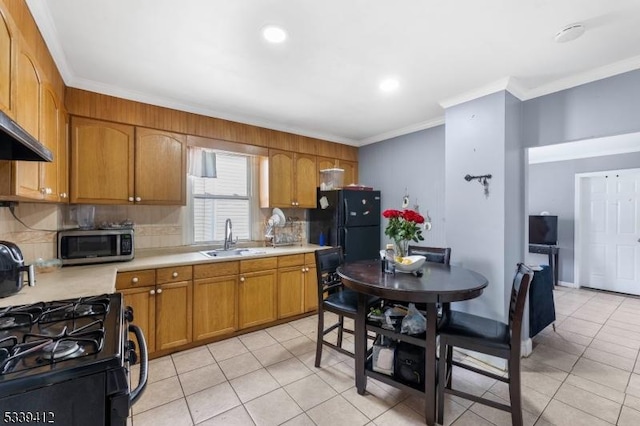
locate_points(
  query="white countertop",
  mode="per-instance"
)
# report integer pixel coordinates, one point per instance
(90, 280)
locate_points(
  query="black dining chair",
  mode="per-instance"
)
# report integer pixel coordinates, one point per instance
(432, 254)
(487, 336)
(333, 297)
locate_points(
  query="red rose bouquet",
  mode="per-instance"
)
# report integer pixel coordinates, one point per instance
(402, 228)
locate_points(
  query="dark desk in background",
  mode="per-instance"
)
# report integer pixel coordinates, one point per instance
(542, 310)
(552, 251)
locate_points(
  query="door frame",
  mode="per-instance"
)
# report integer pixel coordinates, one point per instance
(577, 214)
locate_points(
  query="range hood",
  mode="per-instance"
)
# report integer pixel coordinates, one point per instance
(17, 144)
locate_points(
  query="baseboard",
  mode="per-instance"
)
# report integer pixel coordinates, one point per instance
(526, 347)
(568, 284)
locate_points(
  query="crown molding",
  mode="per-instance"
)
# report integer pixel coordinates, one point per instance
(610, 70)
(402, 131)
(41, 11)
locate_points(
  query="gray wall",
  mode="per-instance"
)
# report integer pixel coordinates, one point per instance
(552, 189)
(606, 107)
(415, 162)
(483, 137)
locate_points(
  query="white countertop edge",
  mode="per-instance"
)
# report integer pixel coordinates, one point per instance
(72, 282)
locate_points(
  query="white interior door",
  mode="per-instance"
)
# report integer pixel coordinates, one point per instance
(609, 231)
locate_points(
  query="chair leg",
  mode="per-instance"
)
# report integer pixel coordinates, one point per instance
(442, 372)
(449, 359)
(340, 328)
(515, 392)
(319, 337)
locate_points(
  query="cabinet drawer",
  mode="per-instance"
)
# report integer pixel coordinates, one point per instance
(135, 279)
(310, 258)
(252, 265)
(217, 269)
(290, 260)
(174, 274)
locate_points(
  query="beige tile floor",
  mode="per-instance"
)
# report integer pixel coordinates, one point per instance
(585, 373)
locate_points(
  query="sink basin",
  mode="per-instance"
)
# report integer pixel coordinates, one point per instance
(224, 253)
(234, 252)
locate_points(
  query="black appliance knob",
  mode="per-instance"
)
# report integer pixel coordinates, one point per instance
(128, 313)
(132, 358)
(131, 345)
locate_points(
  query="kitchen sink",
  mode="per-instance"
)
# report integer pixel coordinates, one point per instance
(233, 252)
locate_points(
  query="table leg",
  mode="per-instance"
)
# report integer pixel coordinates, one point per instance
(361, 343)
(430, 365)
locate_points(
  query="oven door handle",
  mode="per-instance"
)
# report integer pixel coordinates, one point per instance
(144, 364)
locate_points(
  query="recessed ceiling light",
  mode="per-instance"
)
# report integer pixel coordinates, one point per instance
(274, 34)
(568, 33)
(389, 84)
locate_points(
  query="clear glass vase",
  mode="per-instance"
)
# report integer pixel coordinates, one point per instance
(401, 248)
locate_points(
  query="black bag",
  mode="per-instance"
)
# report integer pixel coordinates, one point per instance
(409, 363)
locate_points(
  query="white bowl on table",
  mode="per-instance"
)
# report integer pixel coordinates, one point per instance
(415, 264)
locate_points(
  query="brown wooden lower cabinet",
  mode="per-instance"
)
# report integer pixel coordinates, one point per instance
(143, 302)
(215, 299)
(174, 304)
(257, 298)
(179, 305)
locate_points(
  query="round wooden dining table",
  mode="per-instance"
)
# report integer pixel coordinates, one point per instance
(438, 284)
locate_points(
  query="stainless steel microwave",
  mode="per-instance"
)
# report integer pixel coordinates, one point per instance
(82, 246)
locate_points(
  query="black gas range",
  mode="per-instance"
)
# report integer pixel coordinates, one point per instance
(67, 362)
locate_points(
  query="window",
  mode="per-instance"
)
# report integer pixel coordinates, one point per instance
(227, 196)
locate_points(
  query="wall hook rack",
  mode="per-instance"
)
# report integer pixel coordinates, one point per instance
(483, 179)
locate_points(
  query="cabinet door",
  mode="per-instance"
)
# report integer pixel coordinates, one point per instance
(101, 162)
(174, 313)
(350, 172)
(311, 288)
(143, 302)
(291, 291)
(27, 114)
(305, 181)
(50, 137)
(323, 163)
(63, 156)
(160, 167)
(257, 298)
(281, 179)
(6, 64)
(215, 307)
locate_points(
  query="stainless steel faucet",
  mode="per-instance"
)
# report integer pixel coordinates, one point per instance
(228, 235)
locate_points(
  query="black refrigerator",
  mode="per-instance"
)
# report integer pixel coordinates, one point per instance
(350, 219)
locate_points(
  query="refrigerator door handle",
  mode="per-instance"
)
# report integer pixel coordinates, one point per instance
(346, 238)
(346, 212)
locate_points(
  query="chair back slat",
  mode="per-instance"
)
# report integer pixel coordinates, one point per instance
(432, 254)
(519, 291)
(327, 261)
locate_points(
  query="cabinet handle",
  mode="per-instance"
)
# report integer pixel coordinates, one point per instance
(241, 279)
(306, 269)
(130, 198)
(159, 290)
(134, 280)
(303, 269)
(63, 195)
(174, 275)
(138, 199)
(152, 292)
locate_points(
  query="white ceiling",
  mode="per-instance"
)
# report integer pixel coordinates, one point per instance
(208, 57)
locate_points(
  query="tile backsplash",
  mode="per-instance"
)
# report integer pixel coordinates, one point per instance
(155, 226)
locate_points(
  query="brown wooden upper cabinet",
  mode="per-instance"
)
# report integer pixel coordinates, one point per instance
(6, 64)
(114, 163)
(292, 180)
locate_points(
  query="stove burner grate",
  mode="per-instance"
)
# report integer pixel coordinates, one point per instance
(61, 349)
(72, 309)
